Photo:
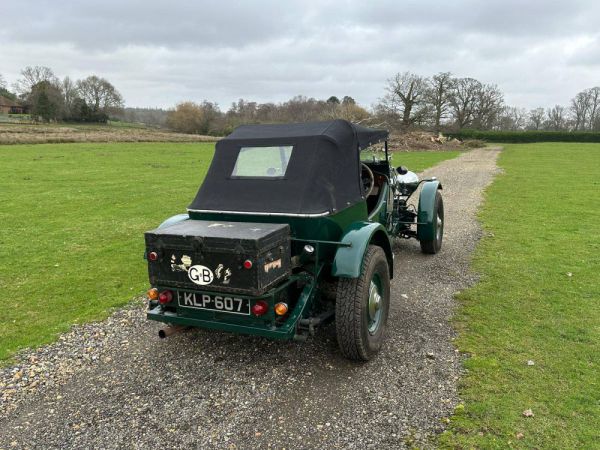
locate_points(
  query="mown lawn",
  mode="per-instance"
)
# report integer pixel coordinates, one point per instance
(538, 300)
(73, 217)
(418, 161)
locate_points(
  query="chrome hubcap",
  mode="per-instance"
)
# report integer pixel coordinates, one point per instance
(375, 304)
(440, 227)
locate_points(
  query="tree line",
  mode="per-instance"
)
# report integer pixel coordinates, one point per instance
(207, 118)
(441, 102)
(47, 98)
(446, 102)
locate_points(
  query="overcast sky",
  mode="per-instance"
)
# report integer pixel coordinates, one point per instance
(158, 53)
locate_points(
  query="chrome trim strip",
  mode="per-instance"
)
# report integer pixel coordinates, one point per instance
(251, 213)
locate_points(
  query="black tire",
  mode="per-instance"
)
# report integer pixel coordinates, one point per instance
(435, 245)
(359, 335)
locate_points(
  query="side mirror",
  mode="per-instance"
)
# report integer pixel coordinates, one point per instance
(402, 170)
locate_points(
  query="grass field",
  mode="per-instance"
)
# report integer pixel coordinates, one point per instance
(417, 161)
(73, 217)
(538, 300)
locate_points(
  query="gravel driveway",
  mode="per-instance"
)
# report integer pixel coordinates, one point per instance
(114, 384)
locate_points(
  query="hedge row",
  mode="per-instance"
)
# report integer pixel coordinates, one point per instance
(527, 136)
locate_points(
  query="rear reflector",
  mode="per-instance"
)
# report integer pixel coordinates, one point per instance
(152, 256)
(165, 297)
(259, 308)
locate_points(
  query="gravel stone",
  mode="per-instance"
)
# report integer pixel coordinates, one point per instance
(115, 384)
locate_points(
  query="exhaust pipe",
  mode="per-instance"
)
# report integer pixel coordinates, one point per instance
(170, 330)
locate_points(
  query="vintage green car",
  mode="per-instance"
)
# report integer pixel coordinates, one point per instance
(289, 231)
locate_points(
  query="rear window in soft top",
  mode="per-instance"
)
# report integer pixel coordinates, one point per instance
(262, 162)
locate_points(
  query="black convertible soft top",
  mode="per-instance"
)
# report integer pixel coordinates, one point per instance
(322, 176)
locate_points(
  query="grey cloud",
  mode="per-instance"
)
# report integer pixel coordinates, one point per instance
(587, 54)
(116, 23)
(157, 53)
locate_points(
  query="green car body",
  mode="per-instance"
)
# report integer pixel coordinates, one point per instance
(340, 241)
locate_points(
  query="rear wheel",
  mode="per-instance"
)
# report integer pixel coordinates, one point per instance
(362, 307)
(435, 245)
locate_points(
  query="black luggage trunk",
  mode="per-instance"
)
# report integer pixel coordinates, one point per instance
(237, 257)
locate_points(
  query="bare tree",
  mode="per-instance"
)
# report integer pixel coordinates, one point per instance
(2, 82)
(243, 111)
(405, 97)
(296, 109)
(489, 104)
(519, 116)
(211, 114)
(40, 88)
(303, 109)
(266, 112)
(594, 115)
(438, 96)
(580, 108)
(556, 118)
(99, 94)
(512, 118)
(536, 119)
(70, 93)
(463, 100)
(31, 76)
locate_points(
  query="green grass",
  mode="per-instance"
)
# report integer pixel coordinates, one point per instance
(418, 161)
(71, 241)
(73, 217)
(15, 118)
(542, 223)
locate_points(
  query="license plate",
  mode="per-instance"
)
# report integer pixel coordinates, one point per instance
(221, 303)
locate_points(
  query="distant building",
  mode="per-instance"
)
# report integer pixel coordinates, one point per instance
(8, 106)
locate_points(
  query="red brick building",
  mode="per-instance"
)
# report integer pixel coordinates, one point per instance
(8, 106)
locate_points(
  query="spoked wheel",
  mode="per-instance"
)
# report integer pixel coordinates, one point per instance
(362, 307)
(435, 245)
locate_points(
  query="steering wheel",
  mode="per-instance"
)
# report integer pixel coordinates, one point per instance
(368, 179)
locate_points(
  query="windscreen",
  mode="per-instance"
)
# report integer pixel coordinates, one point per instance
(262, 162)
(373, 153)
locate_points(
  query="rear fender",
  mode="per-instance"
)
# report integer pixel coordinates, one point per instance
(173, 220)
(348, 259)
(425, 229)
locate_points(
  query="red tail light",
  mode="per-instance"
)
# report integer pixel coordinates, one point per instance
(247, 264)
(259, 308)
(152, 256)
(165, 297)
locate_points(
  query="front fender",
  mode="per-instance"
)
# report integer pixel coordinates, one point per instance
(348, 259)
(425, 229)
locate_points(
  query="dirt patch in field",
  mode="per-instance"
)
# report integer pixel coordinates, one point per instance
(421, 140)
(42, 134)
